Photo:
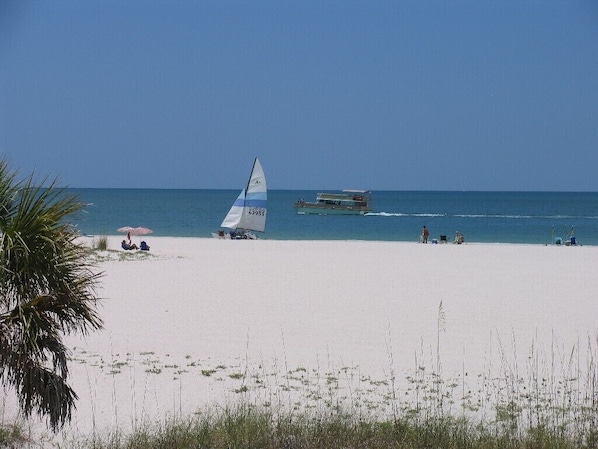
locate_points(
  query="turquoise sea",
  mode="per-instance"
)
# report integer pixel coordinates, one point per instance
(503, 217)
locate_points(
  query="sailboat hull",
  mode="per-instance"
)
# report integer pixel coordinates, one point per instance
(235, 235)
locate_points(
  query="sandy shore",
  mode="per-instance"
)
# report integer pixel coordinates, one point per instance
(205, 321)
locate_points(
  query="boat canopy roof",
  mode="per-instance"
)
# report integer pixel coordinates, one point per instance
(346, 194)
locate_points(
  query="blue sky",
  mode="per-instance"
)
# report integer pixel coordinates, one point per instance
(382, 95)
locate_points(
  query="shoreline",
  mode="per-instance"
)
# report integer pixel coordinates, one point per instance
(115, 240)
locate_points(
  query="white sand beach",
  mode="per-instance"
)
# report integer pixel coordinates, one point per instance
(196, 322)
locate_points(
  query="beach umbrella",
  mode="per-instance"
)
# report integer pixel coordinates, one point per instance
(139, 230)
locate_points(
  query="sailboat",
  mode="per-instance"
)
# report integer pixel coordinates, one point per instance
(248, 212)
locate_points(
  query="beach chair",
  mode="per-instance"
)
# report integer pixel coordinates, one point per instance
(143, 246)
(443, 239)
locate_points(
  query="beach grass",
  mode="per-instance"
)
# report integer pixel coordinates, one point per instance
(12, 435)
(100, 243)
(246, 427)
(541, 407)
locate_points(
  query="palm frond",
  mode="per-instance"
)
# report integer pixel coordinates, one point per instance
(47, 290)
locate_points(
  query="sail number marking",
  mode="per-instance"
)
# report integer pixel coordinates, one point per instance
(260, 211)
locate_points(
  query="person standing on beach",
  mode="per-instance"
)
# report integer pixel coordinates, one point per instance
(425, 235)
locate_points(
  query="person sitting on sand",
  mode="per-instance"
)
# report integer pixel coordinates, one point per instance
(459, 238)
(127, 247)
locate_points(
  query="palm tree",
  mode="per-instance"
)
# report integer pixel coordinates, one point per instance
(47, 290)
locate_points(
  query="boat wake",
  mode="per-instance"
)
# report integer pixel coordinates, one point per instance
(384, 214)
(493, 216)
(398, 214)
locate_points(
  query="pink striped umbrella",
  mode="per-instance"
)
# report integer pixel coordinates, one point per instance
(140, 230)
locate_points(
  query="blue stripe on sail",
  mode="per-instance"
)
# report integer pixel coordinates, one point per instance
(239, 202)
(253, 199)
(257, 196)
(256, 203)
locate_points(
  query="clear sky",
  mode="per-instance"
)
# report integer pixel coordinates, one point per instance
(381, 95)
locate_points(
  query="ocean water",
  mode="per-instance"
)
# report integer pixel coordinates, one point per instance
(502, 217)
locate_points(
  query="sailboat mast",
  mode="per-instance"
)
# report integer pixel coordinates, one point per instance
(247, 189)
(250, 175)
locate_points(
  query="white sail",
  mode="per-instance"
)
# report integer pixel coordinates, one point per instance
(250, 207)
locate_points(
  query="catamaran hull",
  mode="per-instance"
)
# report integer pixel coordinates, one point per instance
(234, 235)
